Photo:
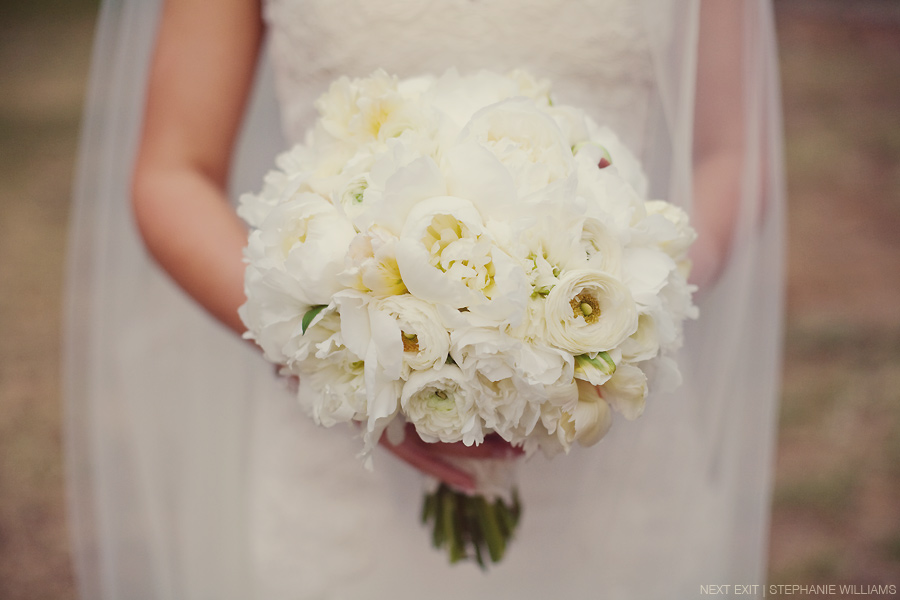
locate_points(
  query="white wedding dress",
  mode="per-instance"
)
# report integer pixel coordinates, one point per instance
(197, 476)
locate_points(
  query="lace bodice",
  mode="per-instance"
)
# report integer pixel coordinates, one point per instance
(594, 51)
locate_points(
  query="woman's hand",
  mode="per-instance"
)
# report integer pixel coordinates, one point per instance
(432, 459)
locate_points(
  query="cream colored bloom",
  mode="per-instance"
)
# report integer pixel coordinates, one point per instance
(643, 343)
(589, 311)
(590, 420)
(426, 341)
(601, 246)
(626, 391)
(444, 253)
(441, 405)
(524, 139)
(372, 264)
(368, 109)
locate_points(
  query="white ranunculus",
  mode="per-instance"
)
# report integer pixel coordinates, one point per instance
(426, 342)
(498, 355)
(441, 406)
(588, 422)
(589, 311)
(332, 384)
(507, 408)
(626, 391)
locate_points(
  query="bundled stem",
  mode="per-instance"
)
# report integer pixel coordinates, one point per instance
(470, 527)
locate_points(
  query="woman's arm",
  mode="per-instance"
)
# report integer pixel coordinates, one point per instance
(718, 135)
(202, 72)
(200, 79)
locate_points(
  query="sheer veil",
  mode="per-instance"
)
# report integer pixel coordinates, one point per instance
(158, 395)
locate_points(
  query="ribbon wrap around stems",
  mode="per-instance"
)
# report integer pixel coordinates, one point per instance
(475, 524)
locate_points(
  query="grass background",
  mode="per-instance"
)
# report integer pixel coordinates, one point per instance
(836, 509)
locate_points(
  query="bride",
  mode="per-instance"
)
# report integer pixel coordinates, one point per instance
(192, 473)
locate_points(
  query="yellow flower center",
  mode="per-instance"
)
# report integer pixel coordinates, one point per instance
(585, 306)
(410, 342)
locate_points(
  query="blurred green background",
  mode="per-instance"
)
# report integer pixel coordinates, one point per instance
(836, 516)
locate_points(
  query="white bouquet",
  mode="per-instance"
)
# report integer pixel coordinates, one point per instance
(461, 254)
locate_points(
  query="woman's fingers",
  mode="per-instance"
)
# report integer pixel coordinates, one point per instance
(436, 459)
(412, 451)
(493, 446)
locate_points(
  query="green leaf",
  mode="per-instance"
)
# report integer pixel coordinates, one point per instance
(309, 316)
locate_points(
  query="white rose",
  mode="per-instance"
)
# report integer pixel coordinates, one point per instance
(441, 406)
(626, 391)
(588, 312)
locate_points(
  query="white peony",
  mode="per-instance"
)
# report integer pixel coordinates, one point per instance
(425, 339)
(308, 238)
(525, 139)
(446, 256)
(371, 264)
(368, 109)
